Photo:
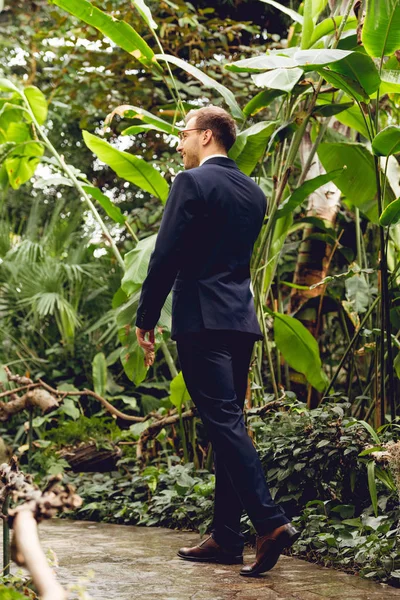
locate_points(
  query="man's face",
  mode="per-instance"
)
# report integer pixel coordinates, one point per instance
(189, 145)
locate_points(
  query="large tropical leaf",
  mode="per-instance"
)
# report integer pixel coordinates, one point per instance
(129, 167)
(145, 12)
(360, 168)
(127, 111)
(360, 68)
(22, 162)
(208, 82)
(136, 263)
(259, 64)
(381, 29)
(250, 145)
(302, 192)
(113, 211)
(179, 392)
(306, 59)
(37, 102)
(300, 349)
(120, 32)
(260, 101)
(278, 79)
(391, 214)
(387, 141)
(351, 116)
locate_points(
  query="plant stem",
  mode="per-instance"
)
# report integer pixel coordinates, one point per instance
(169, 360)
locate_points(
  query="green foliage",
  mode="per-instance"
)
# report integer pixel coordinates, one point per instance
(300, 349)
(120, 32)
(129, 167)
(70, 433)
(6, 593)
(177, 497)
(367, 544)
(381, 29)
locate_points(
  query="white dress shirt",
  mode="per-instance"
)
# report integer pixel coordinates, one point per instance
(213, 156)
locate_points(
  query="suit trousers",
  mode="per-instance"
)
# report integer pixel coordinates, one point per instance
(215, 367)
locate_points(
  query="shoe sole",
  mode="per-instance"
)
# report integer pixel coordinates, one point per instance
(269, 561)
(235, 560)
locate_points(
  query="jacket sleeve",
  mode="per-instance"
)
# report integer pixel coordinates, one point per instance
(183, 207)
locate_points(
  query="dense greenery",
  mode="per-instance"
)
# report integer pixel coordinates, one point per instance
(88, 124)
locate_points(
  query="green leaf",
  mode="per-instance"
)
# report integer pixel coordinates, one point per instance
(391, 214)
(361, 69)
(114, 212)
(361, 167)
(22, 162)
(250, 145)
(381, 28)
(127, 111)
(136, 264)
(121, 33)
(306, 59)
(390, 81)
(99, 371)
(8, 86)
(371, 431)
(308, 23)
(329, 110)
(145, 13)
(287, 11)
(38, 103)
(387, 141)
(347, 84)
(372, 486)
(135, 129)
(208, 82)
(309, 59)
(264, 62)
(69, 408)
(133, 363)
(302, 192)
(330, 26)
(351, 117)
(358, 293)
(260, 101)
(300, 349)
(179, 394)
(129, 167)
(278, 79)
(279, 235)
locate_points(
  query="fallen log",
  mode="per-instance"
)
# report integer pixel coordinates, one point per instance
(88, 458)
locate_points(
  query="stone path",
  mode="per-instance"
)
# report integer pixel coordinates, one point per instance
(132, 563)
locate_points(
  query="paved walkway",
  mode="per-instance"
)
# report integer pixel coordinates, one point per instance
(132, 563)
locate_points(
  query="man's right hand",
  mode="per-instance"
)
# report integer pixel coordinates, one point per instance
(147, 345)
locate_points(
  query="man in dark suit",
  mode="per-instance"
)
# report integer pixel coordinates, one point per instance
(212, 218)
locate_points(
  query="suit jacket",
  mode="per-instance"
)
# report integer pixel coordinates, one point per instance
(212, 218)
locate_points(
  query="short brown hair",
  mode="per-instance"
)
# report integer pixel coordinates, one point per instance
(219, 121)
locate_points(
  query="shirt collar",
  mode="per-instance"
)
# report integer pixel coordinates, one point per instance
(213, 156)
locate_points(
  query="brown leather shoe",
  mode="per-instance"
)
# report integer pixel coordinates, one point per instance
(210, 551)
(269, 548)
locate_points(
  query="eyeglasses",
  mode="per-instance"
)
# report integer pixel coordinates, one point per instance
(181, 134)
